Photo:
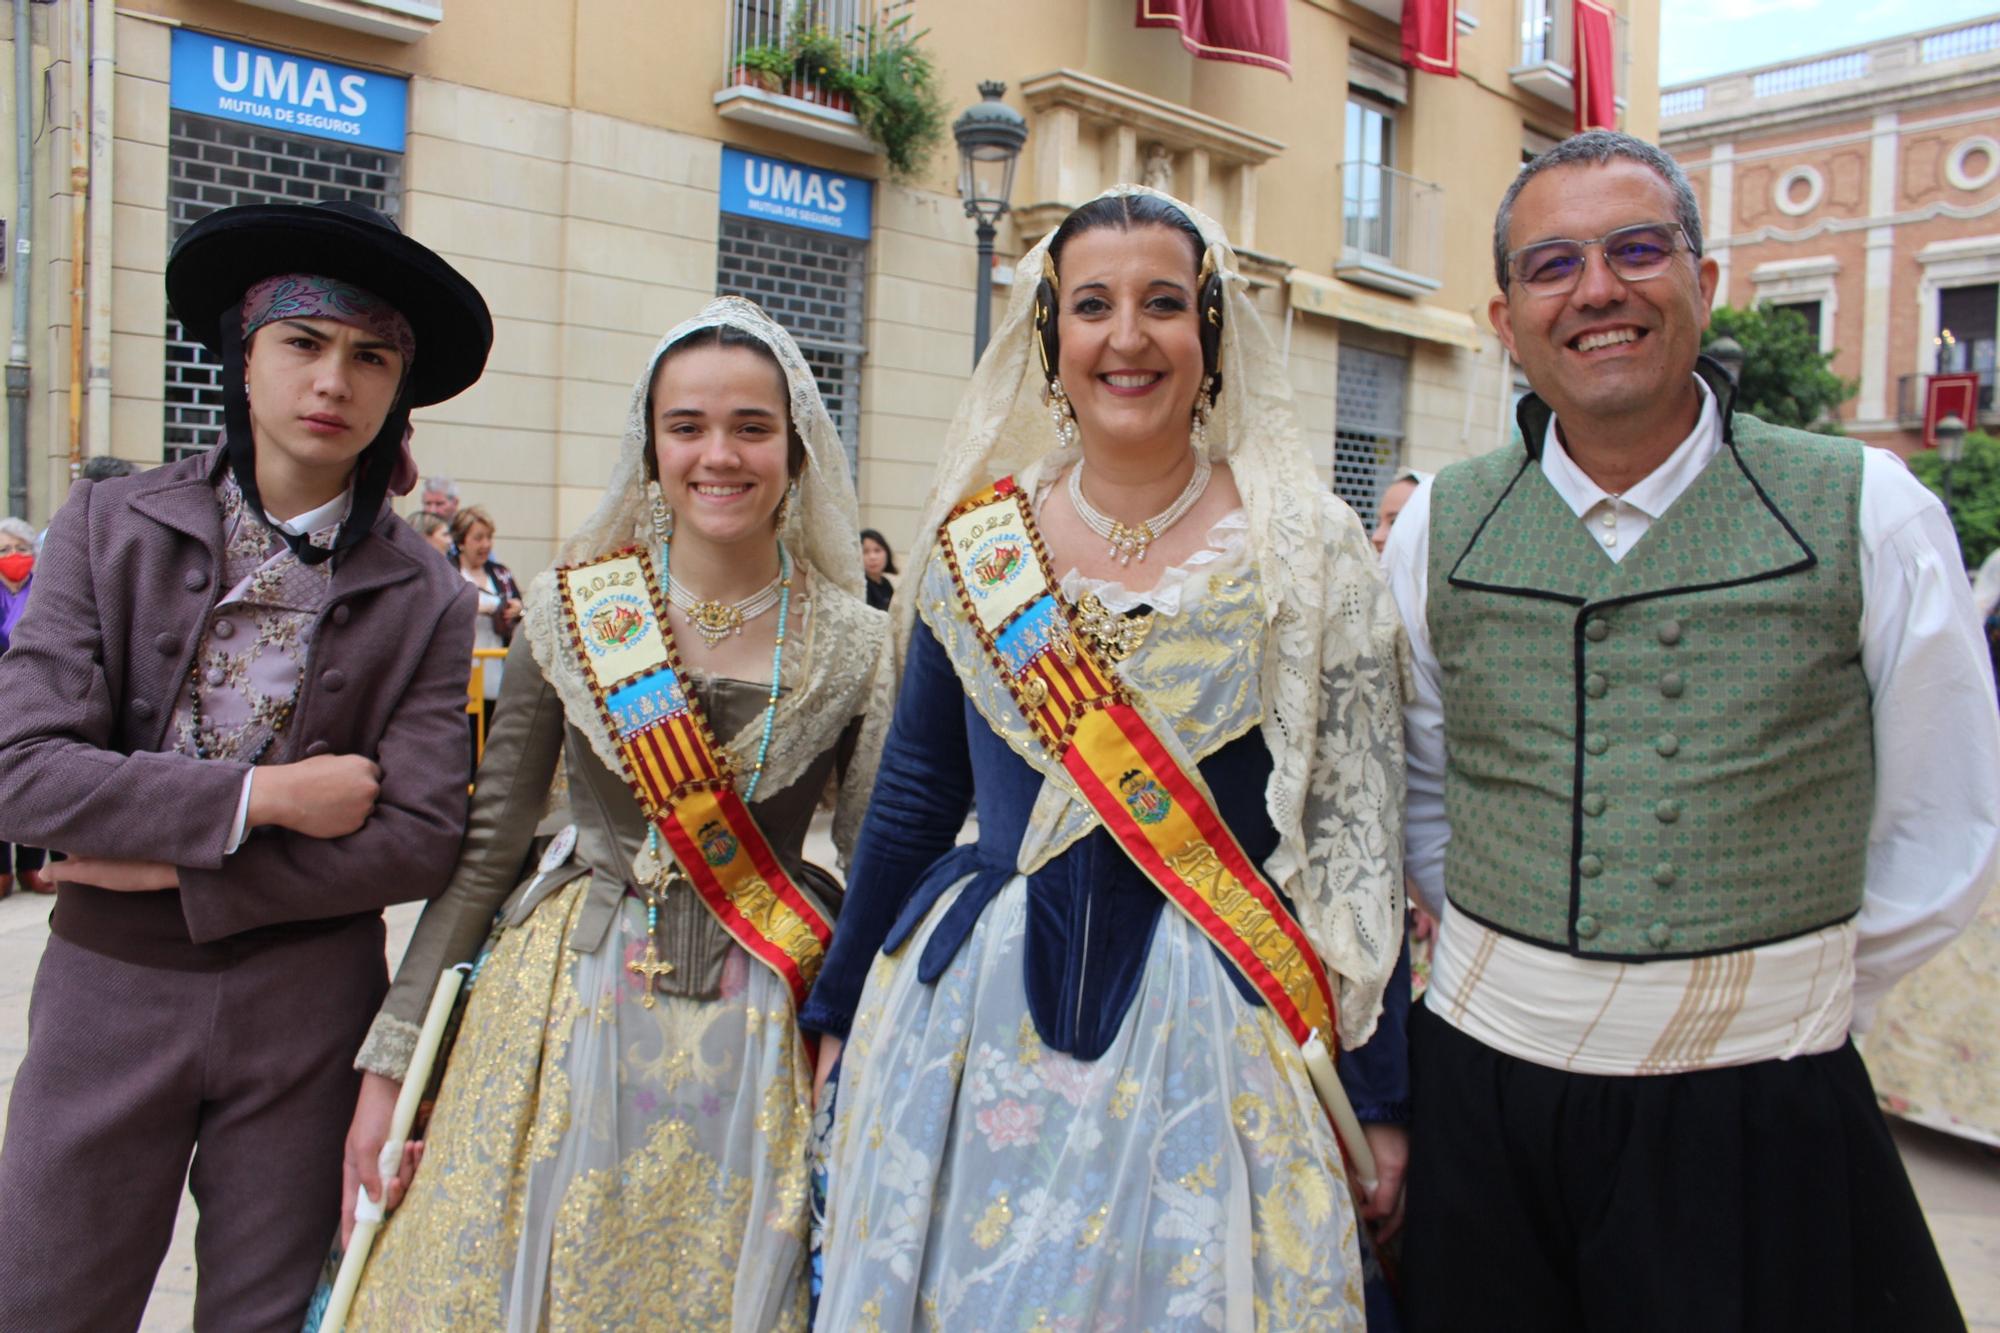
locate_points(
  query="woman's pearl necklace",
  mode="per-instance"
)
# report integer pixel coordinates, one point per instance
(1130, 543)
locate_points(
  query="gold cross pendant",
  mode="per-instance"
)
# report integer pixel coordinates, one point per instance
(650, 969)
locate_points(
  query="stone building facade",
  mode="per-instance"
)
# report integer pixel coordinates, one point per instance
(1862, 188)
(600, 167)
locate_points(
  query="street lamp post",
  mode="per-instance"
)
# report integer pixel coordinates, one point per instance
(1950, 434)
(1727, 353)
(989, 134)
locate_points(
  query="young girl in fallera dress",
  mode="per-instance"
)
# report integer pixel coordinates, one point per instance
(620, 1137)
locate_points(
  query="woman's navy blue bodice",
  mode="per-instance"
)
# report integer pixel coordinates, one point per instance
(1091, 913)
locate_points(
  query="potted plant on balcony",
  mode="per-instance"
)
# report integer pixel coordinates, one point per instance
(764, 66)
(896, 98)
(819, 70)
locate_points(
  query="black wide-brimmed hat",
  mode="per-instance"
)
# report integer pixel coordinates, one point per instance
(224, 254)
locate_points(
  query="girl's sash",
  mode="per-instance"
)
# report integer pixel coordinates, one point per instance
(684, 781)
(1160, 813)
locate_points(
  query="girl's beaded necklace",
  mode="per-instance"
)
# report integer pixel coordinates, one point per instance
(654, 897)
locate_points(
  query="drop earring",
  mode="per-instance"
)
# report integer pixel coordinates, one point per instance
(663, 517)
(1062, 414)
(1204, 405)
(785, 505)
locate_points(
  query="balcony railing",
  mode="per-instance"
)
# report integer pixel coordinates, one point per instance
(1961, 42)
(1392, 229)
(1910, 399)
(1810, 74)
(760, 27)
(1547, 65)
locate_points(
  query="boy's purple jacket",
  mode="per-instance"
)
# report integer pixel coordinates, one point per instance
(123, 587)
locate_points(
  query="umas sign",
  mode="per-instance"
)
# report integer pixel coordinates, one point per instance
(798, 196)
(288, 93)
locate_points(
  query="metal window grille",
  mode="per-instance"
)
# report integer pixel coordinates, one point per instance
(215, 164)
(1368, 430)
(811, 283)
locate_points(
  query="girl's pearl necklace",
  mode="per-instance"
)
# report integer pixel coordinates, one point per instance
(714, 620)
(1131, 543)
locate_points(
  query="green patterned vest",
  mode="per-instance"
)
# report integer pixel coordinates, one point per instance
(1667, 756)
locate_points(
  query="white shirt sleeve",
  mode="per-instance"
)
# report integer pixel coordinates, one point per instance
(1933, 839)
(1407, 560)
(241, 829)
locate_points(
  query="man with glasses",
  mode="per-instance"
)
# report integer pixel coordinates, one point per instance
(1703, 756)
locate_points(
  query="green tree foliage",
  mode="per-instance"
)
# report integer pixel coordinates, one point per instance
(1785, 376)
(1975, 493)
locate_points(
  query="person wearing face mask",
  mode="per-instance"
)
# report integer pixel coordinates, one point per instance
(226, 704)
(1088, 1074)
(1703, 755)
(17, 571)
(620, 1139)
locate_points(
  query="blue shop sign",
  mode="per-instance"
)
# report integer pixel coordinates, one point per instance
(798, 196)
(291, 94)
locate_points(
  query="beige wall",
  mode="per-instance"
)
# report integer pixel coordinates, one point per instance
(566, 156)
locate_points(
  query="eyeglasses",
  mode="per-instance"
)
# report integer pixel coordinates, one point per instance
(1636, 253)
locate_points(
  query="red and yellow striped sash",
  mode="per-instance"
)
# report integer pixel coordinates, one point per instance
(682, 778)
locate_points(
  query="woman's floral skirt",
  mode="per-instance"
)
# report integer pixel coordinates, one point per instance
(594, 1163)
(979, 1181)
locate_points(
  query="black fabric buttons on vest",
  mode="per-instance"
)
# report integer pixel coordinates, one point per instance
(142, 709)
(317, 748)
(341, 615)
(1670, 632)
(1597, 631)
(333, 682)
(166, 645)
(1672, 685)
(194, 580)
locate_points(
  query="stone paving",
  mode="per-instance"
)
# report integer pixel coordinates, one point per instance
(1959, 1183)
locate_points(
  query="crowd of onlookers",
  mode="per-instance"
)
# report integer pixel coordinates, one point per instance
(464, 535)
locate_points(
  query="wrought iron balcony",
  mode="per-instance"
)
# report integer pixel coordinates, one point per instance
(1392, 229)
(786, 61)
(1910, 401)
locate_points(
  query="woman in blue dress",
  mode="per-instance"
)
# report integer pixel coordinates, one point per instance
(1059, 1104)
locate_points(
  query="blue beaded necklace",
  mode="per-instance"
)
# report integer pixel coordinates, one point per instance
(770, 711)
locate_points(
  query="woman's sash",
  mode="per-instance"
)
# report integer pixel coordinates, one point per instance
(1160, 813)
(684, 781)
